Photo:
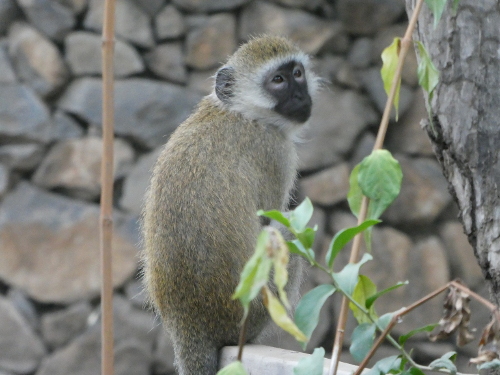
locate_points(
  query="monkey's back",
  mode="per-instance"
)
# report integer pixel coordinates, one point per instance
(200, 224)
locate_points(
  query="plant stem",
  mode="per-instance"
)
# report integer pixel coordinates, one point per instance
(241, 342)
(384, 123)
(106, 217)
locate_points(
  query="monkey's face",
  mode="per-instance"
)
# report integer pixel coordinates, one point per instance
(288, 86)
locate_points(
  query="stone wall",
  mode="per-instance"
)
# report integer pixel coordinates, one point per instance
(166, 52)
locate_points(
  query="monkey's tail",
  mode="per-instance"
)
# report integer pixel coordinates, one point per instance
(196, 357)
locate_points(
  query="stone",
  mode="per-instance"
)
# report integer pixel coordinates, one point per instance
(22, 157)
(21, 350)
(335, 69)
(63, 126)
(23, 116)
(338, 117)
(133, 322)
(7, 74)
(152, 7)
(9, 11)
(49, 246)
(167, 61)
(202, 81)
(407, 136)
(424, 193)
(372, 81)
(132, 359)
(384, 39)
(163, 355)
(169, 23)
(83, 54)
(131, 22)
(134, 337)
(59, 327)
(310, 4)
(428, 270)
(81, 356)
(137, 182)
(360, 54)
(75, 166)
(37, 60)
(136, 294)
(327, 187)
(77, 6)
(311, 33)
(365, 17)
(212, 42)
(201, 6)
(464, 264)
(362, 149)
(145, 111)
(25, 307)
(4, 180)
(52, 18)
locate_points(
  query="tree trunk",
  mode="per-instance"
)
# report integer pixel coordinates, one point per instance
(465, 48)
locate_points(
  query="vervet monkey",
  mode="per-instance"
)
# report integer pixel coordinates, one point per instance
(233, 156)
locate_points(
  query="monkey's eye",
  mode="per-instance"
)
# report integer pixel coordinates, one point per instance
(297, 73)
(277, 79)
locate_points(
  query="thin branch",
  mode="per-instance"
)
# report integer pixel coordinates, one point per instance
(106, 218)
(384, 123)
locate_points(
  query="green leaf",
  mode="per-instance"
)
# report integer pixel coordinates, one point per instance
(390, 57)
(446, 362)
(255, 274)
(279, 315)
(362, 340)
(235, 368)
(364, 288)
(413, 371)
(405, 337)
(307, 312)
(385, 365)
(307, 236)
(380, 180)
(489, 365)
(371, 300)
(279, 216)
(385, 319)
(428, 75)
(301, 215)
(343, 237)
(355, 195)
(311, 365)
(280, 258)
(297, 247)
(437, 8)
(347, 278)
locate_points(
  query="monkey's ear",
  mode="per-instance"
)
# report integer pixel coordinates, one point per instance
(224, 84)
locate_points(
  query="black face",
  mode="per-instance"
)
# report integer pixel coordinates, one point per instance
(288, 85)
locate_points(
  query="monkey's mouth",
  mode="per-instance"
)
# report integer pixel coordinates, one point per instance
(300, 113)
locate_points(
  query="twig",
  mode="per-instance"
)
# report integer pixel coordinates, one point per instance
(384, 123)
(106, 218)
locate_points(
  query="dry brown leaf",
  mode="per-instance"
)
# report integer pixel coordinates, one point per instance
(489, 345)
(456, 318)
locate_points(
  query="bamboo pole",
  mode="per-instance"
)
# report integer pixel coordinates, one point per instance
(107, 178)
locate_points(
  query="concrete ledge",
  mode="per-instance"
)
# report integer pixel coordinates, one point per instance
(266, 360)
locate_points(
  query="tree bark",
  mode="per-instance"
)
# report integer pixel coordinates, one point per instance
(465, 47)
